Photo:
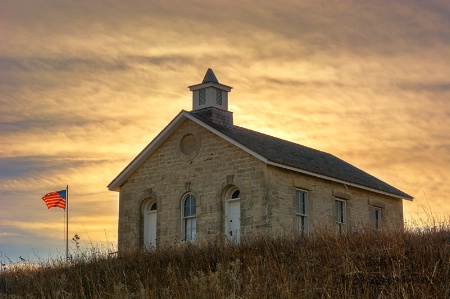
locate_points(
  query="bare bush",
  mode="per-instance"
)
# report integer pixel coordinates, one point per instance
(414, 263)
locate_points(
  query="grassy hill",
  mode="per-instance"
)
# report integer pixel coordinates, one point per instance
(410, 264)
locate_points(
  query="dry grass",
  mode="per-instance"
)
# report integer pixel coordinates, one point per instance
(410, 264)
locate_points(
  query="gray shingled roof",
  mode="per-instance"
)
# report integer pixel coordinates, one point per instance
(302, 157)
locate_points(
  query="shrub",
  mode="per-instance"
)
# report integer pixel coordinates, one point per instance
(410, 264)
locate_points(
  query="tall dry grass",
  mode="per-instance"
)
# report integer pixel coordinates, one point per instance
(410, 264)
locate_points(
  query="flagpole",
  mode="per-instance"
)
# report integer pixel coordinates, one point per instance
(64, 223)
(67, 223)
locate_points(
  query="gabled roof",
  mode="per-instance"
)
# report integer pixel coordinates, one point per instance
(273, 151)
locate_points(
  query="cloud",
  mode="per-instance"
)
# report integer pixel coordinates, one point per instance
(427, 87)
(6, 234)
(86, 86)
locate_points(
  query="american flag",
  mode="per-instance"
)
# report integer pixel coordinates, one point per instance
(55, 199)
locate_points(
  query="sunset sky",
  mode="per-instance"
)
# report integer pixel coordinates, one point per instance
(86, 85)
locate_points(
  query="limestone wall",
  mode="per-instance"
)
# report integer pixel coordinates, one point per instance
(195, 160)
(282, 185)
(169, 174)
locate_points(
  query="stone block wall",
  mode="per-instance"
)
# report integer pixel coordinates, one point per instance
(169, 174)
(282, 185)
(207, 165)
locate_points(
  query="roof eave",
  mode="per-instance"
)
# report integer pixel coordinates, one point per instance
(339, 181)
(267, 161)
(210, 84)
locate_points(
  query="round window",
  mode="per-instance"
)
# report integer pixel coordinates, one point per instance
(188, 144)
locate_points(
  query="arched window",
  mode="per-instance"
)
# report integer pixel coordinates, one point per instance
(189, 220)
(233, 214)
(150, 220)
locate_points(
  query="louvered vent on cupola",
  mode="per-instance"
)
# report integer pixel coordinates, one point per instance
(218, 97)
(202, 97)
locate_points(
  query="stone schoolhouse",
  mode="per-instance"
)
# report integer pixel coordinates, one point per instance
(204, 178)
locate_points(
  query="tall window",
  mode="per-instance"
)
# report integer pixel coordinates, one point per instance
(189, 217)
(301, 210)
(375, 217)
(340, 215)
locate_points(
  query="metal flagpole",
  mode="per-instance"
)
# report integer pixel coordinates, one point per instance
(64, 222)
(67, 223)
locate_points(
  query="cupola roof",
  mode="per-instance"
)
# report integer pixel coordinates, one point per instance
(210, 77)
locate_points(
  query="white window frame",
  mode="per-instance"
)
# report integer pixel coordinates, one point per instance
(340, 216)
(189, 222)
(375, 218)
(301, 214)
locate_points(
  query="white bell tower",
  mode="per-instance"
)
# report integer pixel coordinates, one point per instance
(210, 100)
(210, 93)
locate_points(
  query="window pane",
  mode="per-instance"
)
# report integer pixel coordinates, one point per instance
(301, 202)
(187, 229)
(375, 217)
(301, 224)
(301, 207)
(193, 229)
(193, 205)
(189, 206)
(190, 229)
(340, 210)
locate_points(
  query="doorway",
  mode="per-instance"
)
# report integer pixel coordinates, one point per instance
(233, 215)
(150, 217)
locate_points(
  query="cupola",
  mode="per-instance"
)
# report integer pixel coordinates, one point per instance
(210, 100)
(210, 93)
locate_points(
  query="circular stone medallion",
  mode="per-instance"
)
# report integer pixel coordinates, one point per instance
(188, 144)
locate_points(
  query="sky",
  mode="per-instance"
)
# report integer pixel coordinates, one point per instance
(86, 85)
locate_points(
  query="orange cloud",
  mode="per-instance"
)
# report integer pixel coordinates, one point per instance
(84, 87)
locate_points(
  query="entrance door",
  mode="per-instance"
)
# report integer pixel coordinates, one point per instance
(233, 217)
(150, 226)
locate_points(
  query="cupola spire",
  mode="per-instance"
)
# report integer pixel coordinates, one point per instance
(210, 77)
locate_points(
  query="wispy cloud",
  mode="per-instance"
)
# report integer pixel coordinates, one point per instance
(85, 86)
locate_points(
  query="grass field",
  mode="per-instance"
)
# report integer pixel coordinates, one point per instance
(414, 263)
